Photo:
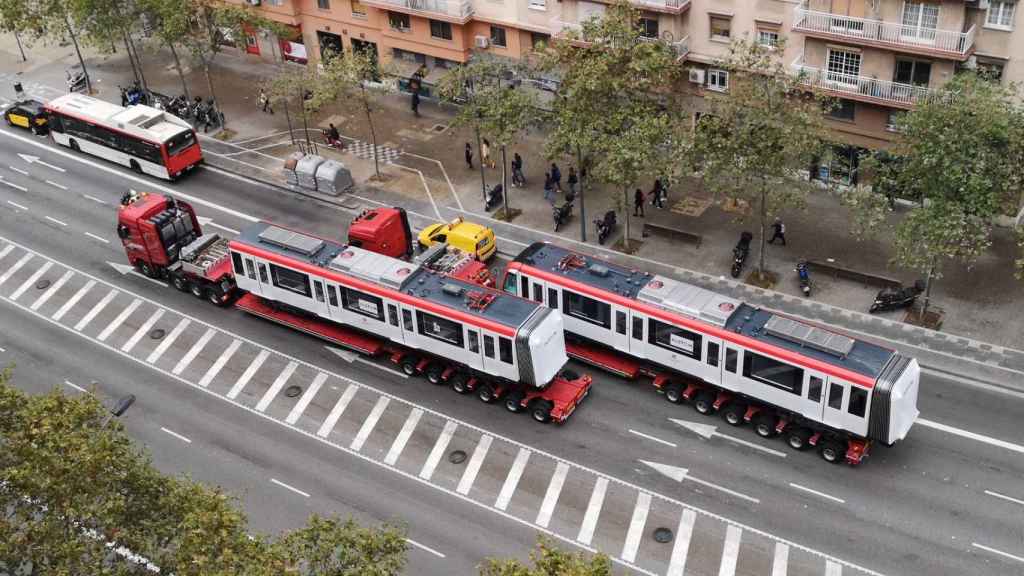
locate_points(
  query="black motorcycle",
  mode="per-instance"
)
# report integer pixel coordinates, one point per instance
(75, 81)
(561, 214)
(740, 253)
(895, 298)
(804, 276)
(605, 226)
(494, 197)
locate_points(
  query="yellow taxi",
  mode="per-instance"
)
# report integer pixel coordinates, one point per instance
(27, 114)
(466, 236)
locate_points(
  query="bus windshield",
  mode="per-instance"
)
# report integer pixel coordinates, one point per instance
(180, 142)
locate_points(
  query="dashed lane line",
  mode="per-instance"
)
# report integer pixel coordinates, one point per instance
(95, 237)
(55, 221)
(16, 205)
(75, 386)
(817, 493)
(1004, 497)
(425, 548)
(19, 170)
(998, 552)
(653, 438)
(972, 435)
(287, 487)
(176, 435)
(56, 185)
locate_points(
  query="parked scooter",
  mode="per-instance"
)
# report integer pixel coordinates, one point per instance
(561, 214)
(804, 276)
(494, 197)
(895, 298)
(76, 81)
(605, 226)
(740, 253)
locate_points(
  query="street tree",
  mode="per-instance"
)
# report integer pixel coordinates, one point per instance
(105, 23)
(293, 84)
(329, 546)
(549, 560)
(757, 136)
(47, 20)
(171, 25)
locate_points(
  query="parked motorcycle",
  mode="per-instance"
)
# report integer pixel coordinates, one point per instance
(605, 226)
(133, 95)
(76, 81)
(561, 214)
(494, 197)
(804, 276)
(895, 298)
(740, 253)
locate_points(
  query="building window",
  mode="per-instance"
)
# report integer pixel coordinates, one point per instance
(538, 4)
(1000, 14)
(843, 66)
(892, 122)
(919, 20)
(648, 27)
(441, 30)
(323, 4)
(842, 109)
(399, 21)
(913, 72)
(718, 80)
(498, 36)
(539, 41)
(358, 9)
(768, 38)
(992, 71)
(720, 28)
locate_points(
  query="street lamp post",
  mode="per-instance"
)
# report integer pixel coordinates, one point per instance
(20, 49)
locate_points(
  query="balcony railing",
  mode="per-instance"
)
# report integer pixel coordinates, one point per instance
(862, 87)
(898, 36)
(666, 5)
(457, 9)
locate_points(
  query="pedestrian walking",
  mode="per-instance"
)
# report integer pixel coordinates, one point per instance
(485, 154)
(264, 101)
(556, 176)
(549, 188)
(658, 194)
(573, 180)
(469, 156)
(778, 232)
(416, 103)
(638, 203)
(517, 171)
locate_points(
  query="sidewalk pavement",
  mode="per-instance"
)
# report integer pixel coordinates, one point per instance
(422, 161)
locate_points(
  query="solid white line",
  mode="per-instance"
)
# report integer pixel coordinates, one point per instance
(52, 290)
(96, 309)
(224, 228)
(586, 533)
(972, 435)
(833, 569)
(512, 479)
(1004, 497)
(56, 185)
(94, 199)
(425, 548)
(403, 437)
(76, 386)
(276, 387)
(30, 281)
(780, 564)
(369, 423)
(307, 397)
(336, 412)
(731, 551)
(142, 331)
(714, 486)
(168, 341)
(95, 237)
(16, 205)
(477, 460)
(19, 170)
(999, 552)
(292, 488)
(255, 365)
(438, 450)
(547, 507)
(176, 435)
(17, 266)
(74, 300)
(193, 352)
(816, 493)
(55, 221)
(398, 373)
(13, 185)
(636, 527)
(119, 320)
(649, 437)
(681, 548)
(751, 445)
(219, 363)
(7, 250)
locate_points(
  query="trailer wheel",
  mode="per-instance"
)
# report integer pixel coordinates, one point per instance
(434, 373)
(764, 424)
(704, 402)
(460, 382)
(146, 269)
(540, 410)
(513, 402)
(485, 392)
(197, 291)
(797, 438)
(733, 413)
(831, 451)
(213, 296)
(408, 365)
(674, 392)
(180, 282)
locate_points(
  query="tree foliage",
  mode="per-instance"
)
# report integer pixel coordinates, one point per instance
(548, 560)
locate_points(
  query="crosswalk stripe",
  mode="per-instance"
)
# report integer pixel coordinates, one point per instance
(17, 266)
(547, 507)
(731, 551)
(128, 311)
(475, 461)
(275, 388)
(636, 527)
(512, 480)
(332, 418)
(307, 397)
(30, 281)
(439, 447)
(780, 565)
(146, 327)
(7, 250)
(248, 374)
(52, 290)
(403, 437)
(681, 548)
(593, 511)
(84, 321)
(369, 423)
(74, 300)
(168, 341)
(219, 363)
(833, 568)
(193, 352)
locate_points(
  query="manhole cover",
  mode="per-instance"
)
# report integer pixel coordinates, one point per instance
(42, 284)
(292, 391)
(457, 457)
(662, 535)
(157, 333)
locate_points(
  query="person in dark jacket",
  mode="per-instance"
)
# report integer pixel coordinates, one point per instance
(518, 179)
(556, 176)
(572, 181)
(469, 156)
(778, 232)
(638, 203)
(549, 188)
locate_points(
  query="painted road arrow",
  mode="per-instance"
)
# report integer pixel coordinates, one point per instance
(706, 431)
(35, 160)
(679, 474)
(346, 355)
(205, 221)
(124, 269)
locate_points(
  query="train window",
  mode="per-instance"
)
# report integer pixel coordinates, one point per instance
(814, 389)
(440, 328)
(538, 293)
(771, 371)
(674, 338)
(392, 315)
(553, 298)
(712, 354)
(289, 279)
(620, 322)
(835, 396)
(332, 295)
(236, 260)
(638, 328)
(588, 309)
(858, 401)
(407, 320)
(524, 284)
(510, 282)
(263, 274)
(474, 341)
(362, 303)
(488, 346)
(250, 270)
(731, 356)
(505, 350)
(318, 287)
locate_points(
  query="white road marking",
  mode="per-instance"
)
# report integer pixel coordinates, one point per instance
(218, 365)
(477, 460)
(7, 250)
(19, 170)
(35, 160)
(369, 423)
(292, 488)
(681, 548)
(52, 290)
(31, 280)
(833, 569)
(972, 435)
(76, 386)
(336, 412)
(225, 228)
(95, 237)
(55, 221)
(398, 373)
(780, 564)
(255, 365)
(193, 352)
(119, 320)
(123, 269)
(512, 479)
(589, 524)
(16, 205)
(999, 552)
(168, 340)
(636, 527)
(1004, 497)
(94, 199)
(17, 266)
(403, 437)
(714, 486)
(176, 435)
(74, 300)
(709, 430)
(547, 507)
(816, 493)
(649, 437)
(276, 387)
(56, 185)
(13, 185)
(438, 450)
(143, 330)
(731, 551)
(425, 548)
(96, 309)
(306, 398)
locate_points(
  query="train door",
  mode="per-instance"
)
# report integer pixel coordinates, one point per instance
(537, 294)
(814, 395)
(320, 297)
(835, 404)
(264, 277)
(731, 368)
(620, 329)
(637, 344)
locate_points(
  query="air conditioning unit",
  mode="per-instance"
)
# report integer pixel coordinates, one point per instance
(696, 75)
(482, 41)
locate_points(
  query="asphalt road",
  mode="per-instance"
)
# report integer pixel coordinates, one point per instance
(941, 502)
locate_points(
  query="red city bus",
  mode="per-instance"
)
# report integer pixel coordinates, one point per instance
(147, 140)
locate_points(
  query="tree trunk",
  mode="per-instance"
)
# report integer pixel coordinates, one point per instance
(504, 180)
(625, 235)
(373, 132)
(209, 84)
(288, 119)
(583, 214)
(181, 73)
(81, 61)
(480, 157)
(764, 226)
(131, 60)
(138, 59)
(305, 125)
(927, 292)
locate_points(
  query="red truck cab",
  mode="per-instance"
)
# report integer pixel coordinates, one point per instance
(382, 230)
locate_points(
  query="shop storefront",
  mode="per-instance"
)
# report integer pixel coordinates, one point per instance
(292, 47)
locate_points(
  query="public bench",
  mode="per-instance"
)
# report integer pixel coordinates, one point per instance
(838, 271)
(692, 238)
